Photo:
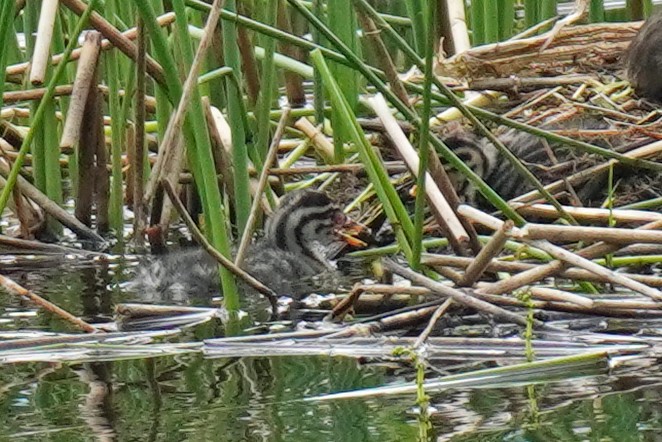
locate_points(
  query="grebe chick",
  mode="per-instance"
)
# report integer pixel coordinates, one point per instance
(291, 258)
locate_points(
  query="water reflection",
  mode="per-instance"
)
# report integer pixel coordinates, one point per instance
(171, 399)
(192, 398)
(261, 399)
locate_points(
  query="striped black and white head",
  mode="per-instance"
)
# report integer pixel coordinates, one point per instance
(494, 168)
(305, 223)
(477, 153)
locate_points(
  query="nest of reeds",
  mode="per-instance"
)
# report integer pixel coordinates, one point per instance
(570, 86)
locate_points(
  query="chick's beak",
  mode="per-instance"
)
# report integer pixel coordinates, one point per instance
(351, 231)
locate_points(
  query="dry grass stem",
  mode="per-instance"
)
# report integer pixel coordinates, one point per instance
(445, 215)
(16, 289)
(459, 296)
(558, 233)
(588, 214)
(320, 141)
(261, 185)
(486, 255)
(572, 45)
(118, 39)
(562, 255)
(516, 267)
(21, 68)
(433, 321)
(83, 82)
(43, 41)
(549, 294)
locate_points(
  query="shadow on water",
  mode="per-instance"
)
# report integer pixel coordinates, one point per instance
(188, 397)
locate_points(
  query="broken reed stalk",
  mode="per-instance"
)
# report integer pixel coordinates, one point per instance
(16, 289)
(296, 94)
(489, 252)
(247, 234)
(92, 143)
(382, 55)
(590, 252)
(573, 44)
(444, 214)
(225, 262)
(320, 142)
(457, 295)
(590, 214)
(495, 266)
(563, 256)
(130, 34)
(549, 294)
(392, 321)
(101, 172)
(614, 235)
(138, 166)
(433, 321)
(40, 113)
(169, 161)
(63, 90)
(118, 40)
(84, 81)
(222, 160)
(45, 248)
(57, 212)
(174, 129)
(43, 42)
(377, 294)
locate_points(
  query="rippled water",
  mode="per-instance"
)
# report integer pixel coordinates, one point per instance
(256, 399)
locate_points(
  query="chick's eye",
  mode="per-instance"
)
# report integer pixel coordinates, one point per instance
(339, 218)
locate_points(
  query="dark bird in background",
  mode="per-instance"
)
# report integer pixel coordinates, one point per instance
(644, 59)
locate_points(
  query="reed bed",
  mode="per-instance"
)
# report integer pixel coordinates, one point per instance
(135, 108)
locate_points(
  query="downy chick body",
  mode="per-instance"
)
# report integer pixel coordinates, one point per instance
(291, 258)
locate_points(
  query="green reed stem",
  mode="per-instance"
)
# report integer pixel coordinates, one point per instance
(506, 19)
(415, 10)
(635, 9)
(478, 21)
(235, 120)
(270, 31)
(267, 83)
(387, 194)
(531, 13)
(51, 163)
(410, 115)
(547, 9)
(596, 11)
(342, 22)
(424, 135)
(117, 138)
(318, 87)
(646, 204)
(7, 33)
(491, 21)
(43, 104)
(199, 154)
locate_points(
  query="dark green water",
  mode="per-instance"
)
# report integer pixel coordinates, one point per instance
(262, 399)
(257, 399)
